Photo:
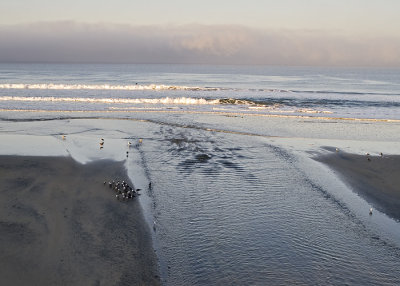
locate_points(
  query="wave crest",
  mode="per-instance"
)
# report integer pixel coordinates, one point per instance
(54, 86)
(163, 100)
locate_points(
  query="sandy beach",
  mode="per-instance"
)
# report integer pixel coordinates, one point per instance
(238, 184)
(375, 178)
(60, 225)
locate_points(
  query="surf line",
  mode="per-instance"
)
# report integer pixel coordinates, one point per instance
(231, 114)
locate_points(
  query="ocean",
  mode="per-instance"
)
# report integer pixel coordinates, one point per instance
(326, 92)
(236, 197)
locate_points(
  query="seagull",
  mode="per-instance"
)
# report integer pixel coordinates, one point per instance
(370, 211)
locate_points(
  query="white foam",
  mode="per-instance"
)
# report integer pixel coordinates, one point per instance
(133, 87)
(164, 100)
(53, 86)
(307, 110)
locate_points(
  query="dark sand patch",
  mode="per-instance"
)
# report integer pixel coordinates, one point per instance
(59, 225)
(377, 180)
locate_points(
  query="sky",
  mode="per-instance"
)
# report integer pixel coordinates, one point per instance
(280, 32)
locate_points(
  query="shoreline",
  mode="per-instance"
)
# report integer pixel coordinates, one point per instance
(375, 178)
(61, 225)
(238, 114)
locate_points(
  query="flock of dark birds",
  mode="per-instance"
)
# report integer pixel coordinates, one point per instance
(123, 191)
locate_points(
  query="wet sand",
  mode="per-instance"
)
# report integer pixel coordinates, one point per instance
(60, 225)
(377, 180)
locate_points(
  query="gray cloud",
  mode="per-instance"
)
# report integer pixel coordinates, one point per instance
(218, 44)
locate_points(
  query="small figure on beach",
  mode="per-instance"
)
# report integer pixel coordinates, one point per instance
(64, 137)
(140, 140)
(370, 211)
(337, 149)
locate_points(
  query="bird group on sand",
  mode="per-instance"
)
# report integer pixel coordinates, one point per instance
(123, 191)
(367, 154)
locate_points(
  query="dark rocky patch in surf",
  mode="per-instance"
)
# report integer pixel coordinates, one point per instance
(202, 158)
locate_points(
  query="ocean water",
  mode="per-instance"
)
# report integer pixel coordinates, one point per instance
(235, 196)
(326, 92)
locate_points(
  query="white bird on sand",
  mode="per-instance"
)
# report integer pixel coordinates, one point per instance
(370, 211)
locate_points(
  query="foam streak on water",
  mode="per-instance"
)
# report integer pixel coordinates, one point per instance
(54, 86)
(165, 100)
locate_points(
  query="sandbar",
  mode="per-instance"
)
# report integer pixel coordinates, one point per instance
(375, 178)
(60, 225)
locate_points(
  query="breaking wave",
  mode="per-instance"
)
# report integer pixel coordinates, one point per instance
(133, 87)
(163, 100)
(54, 86)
